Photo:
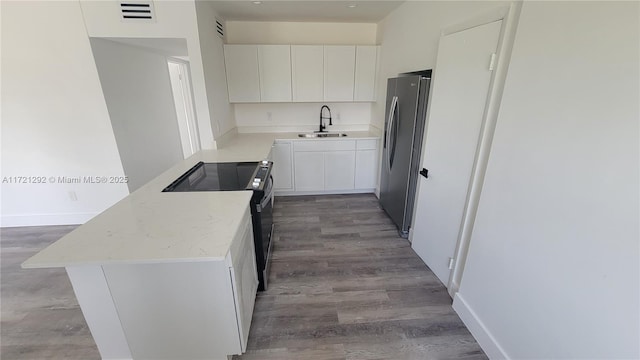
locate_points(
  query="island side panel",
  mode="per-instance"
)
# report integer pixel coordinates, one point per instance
(176, 310)
(94, 297)
(244, 276)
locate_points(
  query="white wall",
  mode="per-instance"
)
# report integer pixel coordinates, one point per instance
(300, 33)
(54, 117)
(214, 72)
(409, 39)
(137, 88)
(301, 117)
(553, 265)
(174, 19)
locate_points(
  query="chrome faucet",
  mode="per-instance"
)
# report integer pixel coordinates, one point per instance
(322, 126)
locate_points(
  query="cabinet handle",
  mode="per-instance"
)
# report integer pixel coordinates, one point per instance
(424, 172)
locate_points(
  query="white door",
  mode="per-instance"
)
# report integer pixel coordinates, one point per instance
(460, 89)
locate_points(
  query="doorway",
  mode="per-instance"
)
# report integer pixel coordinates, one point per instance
(137, 90)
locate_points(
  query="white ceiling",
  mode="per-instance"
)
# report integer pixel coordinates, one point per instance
(370, 11)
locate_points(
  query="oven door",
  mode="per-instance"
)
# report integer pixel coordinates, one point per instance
(266, 213)
(262, 212)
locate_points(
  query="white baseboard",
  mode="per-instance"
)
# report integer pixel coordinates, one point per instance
(328, 192)
(477, 328)
(45, 219)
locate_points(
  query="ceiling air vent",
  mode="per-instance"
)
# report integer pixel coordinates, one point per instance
(220, 28)
(138, 11)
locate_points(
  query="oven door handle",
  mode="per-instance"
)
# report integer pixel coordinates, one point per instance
(267, 193)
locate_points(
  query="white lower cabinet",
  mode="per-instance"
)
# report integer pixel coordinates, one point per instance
(282, 166)
(339, 170)
(366, 172)
(366, 164)
(309, 171)
(334, 166)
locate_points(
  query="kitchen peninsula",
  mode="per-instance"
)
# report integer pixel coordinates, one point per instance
(170, 275)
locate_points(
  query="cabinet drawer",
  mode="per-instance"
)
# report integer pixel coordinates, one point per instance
(368, 144)
(324, 145)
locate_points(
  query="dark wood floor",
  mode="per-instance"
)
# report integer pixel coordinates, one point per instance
(343, 285)
(40, 317)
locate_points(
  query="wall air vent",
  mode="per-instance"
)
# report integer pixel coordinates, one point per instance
(138, 11)
(220, 28)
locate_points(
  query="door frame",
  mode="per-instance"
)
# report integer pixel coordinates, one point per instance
(187, 91)
(509, 15)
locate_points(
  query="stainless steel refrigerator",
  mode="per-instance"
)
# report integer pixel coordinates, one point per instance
(405, 118)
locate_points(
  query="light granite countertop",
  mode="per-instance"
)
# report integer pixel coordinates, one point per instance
(149, 226)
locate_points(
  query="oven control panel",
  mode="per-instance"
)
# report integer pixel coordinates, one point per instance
(262, 173)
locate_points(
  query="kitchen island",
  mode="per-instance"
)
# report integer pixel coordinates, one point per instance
(168, 275)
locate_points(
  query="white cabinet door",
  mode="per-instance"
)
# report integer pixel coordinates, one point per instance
(282, 166)
(274, 63)
(339, 167)
(307, 72)
(243, 81)
(339, 72)
(309, 171)
(366, 169)
(365, 78)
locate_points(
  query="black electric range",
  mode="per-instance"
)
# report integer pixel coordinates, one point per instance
(233, 176)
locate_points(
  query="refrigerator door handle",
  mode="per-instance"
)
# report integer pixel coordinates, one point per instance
(396, 123)
(389, 119)
(392, 116)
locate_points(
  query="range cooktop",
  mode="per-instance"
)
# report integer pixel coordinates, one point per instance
(215, 177)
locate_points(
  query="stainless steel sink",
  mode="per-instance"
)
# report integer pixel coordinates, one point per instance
(321, 135)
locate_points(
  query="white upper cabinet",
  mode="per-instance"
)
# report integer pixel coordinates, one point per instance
(274, 64)
(339, 72)
(243, 79)
(307, 72)
(365, 78)
(301, 73)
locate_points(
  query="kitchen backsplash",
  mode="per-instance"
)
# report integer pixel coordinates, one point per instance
(280, 117)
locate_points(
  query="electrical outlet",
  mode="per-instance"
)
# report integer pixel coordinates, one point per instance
(269, 118)
(73, 196)
(338, 116)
